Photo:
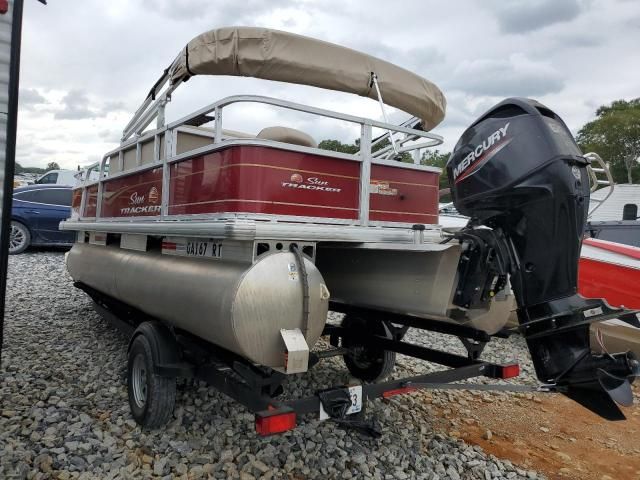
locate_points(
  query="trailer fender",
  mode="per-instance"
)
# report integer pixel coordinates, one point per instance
(164, 347)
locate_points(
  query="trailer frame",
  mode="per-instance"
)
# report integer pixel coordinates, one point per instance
(257, 388)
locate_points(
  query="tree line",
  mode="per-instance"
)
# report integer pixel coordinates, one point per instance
(614, 135)
(50, 166)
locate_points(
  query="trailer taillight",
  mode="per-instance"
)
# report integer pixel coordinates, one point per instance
(274, 421)
(508, 371)
(398, 391)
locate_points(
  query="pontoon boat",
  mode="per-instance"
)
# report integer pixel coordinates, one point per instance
(222, 251)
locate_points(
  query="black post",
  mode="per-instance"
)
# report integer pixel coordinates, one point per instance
(9, 165)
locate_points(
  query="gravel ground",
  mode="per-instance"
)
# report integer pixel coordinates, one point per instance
(64, 411)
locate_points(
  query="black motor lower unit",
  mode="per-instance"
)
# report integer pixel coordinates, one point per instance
(518, 171)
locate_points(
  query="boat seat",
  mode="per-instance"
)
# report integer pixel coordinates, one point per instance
(198, 137)
(287, 135)
(236, 134)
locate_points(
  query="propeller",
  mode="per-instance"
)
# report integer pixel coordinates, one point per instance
(603, 395)
(618, 388)
(598, 401)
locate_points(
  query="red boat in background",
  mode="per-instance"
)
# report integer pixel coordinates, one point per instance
(610, 270)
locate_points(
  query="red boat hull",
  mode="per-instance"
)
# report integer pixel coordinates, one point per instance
(611, 271)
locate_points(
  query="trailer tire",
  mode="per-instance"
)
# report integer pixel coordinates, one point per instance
(366, 363)
(151, 397)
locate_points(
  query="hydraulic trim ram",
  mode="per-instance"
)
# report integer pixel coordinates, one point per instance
(518, 173)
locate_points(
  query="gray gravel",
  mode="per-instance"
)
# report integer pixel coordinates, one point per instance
(64, 411)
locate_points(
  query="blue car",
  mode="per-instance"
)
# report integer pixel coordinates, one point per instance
(37, 211)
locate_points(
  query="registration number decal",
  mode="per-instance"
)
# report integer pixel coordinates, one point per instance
(191, 247)
(197, 248)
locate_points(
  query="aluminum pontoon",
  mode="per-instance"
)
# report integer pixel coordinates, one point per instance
(222, 251)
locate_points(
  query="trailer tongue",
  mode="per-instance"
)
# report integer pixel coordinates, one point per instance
(518, 171)
(221, 252)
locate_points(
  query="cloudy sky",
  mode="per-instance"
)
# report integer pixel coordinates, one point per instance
(87, 64)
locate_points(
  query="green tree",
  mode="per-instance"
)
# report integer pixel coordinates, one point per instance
(53, 166)
(436, 158)
(402, 157)
(337, 146)
(20, 169)
(354, 147)
(615, 136)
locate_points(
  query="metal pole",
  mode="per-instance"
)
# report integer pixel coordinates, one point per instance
(11, 118)
(374, 79)
(365, 174)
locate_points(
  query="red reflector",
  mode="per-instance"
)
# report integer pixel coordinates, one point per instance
(4, 6)
(169, 245)
(509, 371)
(269, 424)
(397, 391)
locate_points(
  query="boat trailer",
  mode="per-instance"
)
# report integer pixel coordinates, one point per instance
(178, 354)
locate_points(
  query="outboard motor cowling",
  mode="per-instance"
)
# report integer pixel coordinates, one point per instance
(518, 171)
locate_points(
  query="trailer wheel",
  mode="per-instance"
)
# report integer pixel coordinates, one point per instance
(151, 397)
(363, 362)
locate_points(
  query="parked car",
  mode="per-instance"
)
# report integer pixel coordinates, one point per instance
(58, 177)
(36, 213)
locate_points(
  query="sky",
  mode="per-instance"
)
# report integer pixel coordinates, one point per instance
(86, 65)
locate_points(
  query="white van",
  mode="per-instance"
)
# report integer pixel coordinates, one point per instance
(58, 177)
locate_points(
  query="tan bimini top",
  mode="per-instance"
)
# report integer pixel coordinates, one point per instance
(287, 57)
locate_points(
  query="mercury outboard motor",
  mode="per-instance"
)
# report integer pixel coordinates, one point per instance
(518, 173)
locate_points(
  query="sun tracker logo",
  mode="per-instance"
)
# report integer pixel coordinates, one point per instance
(311, 183)
(138, 204)
(153, 195)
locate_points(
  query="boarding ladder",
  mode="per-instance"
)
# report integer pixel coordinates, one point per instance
(599, 176)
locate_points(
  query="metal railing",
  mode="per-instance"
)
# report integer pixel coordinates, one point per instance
(135, 136)
(595, 178)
